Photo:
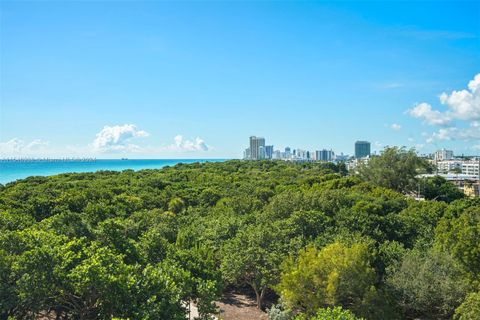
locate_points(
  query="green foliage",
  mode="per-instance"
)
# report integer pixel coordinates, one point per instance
(418, 222)
(396, 168)
(278, 312)
(143, 245)
(428, 284)
(176, 205)
(460, 236)
(252, 257)
(157, 293)
(470, 308)
(336, 313)
(437, 188)
(334, 275)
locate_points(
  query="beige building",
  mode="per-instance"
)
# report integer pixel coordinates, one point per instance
(472, 189)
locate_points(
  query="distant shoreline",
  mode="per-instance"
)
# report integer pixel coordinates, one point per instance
(48, 159)
(14, 170)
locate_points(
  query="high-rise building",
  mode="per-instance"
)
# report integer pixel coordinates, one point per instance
(268, 152)
(443, 154)
(247, 154)
(362, 149)
(256, 145)
(324, 155)
(277, 154)
(261, 152)
(287, 153)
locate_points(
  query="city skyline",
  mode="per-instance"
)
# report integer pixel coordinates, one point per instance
(192, 80)
(258, 150)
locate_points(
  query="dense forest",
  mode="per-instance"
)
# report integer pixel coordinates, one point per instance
(318, 242)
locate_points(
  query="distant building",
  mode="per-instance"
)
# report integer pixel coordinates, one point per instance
(257, 148)
(277, 154)
(352, 164)
(472, 189)
(467, 167)
(261, 152)
(301, 155)
(247, 154)
(441, 155)
(341, 157)
(471, 168)
(458, 179)
(447, 166)
(324, 155)
(269, 152)
(362, 149)
(288, 153)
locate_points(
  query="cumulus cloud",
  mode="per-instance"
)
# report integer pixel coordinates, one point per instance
(453, 133)
(433, 117)
(395, 126)
(110, 140)
(464, 104)
(181, 144)
(461, 105)
(117, 138)
(460, 120)
(17, 147)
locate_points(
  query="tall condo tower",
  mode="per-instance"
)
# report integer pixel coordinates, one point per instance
(257, 148)
(268, 152)
(362, 149)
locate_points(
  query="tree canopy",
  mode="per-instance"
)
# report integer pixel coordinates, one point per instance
(146, 244)
(395, 168)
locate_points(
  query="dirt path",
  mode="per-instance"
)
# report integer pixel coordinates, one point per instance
(239, 306)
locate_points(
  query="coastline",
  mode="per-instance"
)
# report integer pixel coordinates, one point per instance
(11, 171)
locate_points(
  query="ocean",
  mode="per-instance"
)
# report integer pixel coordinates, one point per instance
(13, 170)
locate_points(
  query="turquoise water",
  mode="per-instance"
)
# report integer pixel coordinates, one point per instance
(11, 171)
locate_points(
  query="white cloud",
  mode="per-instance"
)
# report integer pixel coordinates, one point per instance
(117, 138)
(18, 148)
(110, 140)
(454, 133)
(460, 120)
(395, 126)
(433, 117)
(462, 105)
(182, 144)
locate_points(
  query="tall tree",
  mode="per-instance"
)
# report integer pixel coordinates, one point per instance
(334, 275)
(428, 284)
(395, 168)
(253, 257)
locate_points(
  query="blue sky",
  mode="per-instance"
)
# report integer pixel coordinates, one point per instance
(196, 79)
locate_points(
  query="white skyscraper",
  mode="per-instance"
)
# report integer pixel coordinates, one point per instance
(257, 148)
